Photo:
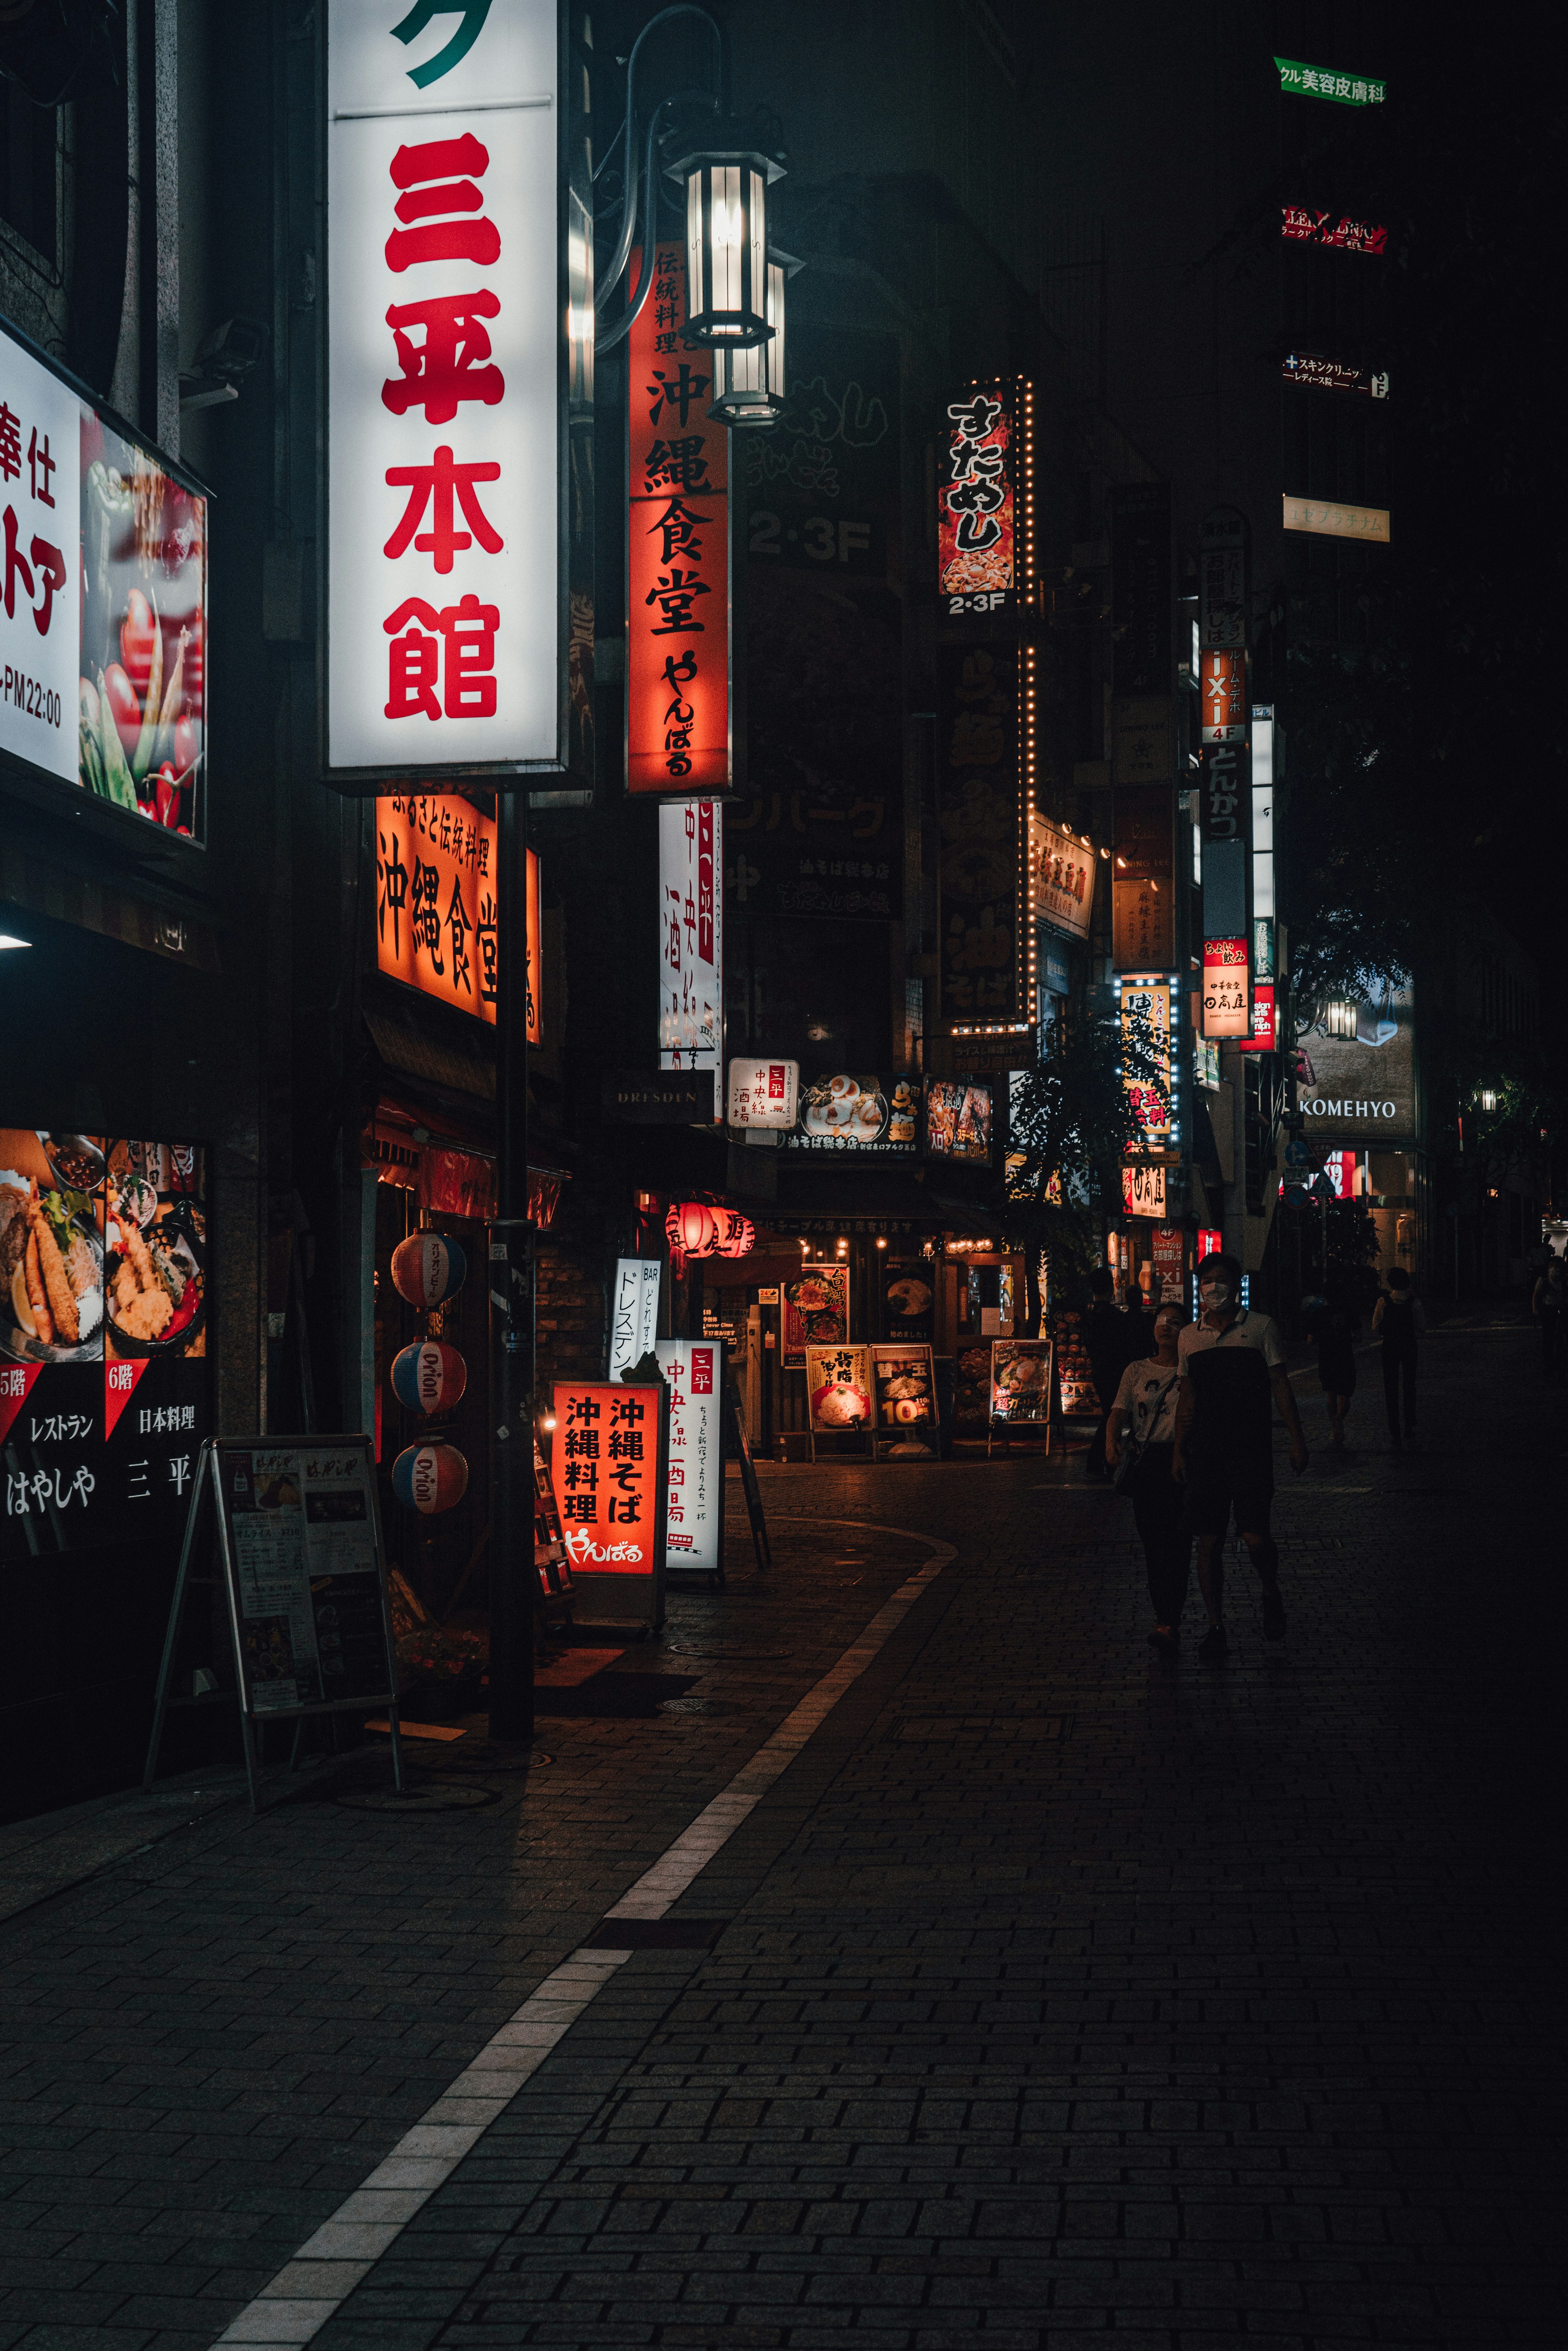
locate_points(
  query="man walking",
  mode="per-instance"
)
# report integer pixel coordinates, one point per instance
(1399, 1322)
(1113, 1339)
(1233, 1379)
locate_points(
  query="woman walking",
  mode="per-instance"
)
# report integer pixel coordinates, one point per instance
(1144, 1417)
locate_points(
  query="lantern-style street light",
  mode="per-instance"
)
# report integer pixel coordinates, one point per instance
(727, 241)
(750, 386)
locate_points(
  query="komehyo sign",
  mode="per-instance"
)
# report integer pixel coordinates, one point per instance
(447, 357)
(679, 736)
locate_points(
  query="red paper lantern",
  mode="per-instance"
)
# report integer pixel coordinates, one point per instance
(690, 1230)
(736, 1233)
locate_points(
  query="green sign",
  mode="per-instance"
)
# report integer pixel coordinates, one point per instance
(1319, 82)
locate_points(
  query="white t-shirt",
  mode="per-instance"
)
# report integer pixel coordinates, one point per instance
(1260, 1331)
(1147, 1394)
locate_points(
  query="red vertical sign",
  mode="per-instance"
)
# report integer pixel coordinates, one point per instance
(677, 567)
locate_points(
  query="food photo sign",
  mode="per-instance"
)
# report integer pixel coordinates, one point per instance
(816, 1312)
(1021, 1380)
(104, 1392)
(103, 621)
(866, 1114)
(906, 1397)
(838, 1391)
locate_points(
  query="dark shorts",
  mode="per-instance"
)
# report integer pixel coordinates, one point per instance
(1214, 1494)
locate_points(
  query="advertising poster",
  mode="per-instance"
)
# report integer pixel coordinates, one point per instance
(604, 1466)
(1061, 879)
(103, 621)
(1355, 1071)
(1021, 1380)
(978, 518)
(104, 1390)
(838, 1389)
(958, 1120)
(909, 1298)
(817, 831)
(302, 1537)
(435, 902)
(694, 1517)
(816, 1312)
(972, 1389)
(905, 1395)
(867, 1113)
(1075, 1381)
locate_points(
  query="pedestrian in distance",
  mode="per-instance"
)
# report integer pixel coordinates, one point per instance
(1336, 1358)
(1113, 1339)
(1232, 1381)
(1549, 1304)
(1142, 1426)
(1399, 1322)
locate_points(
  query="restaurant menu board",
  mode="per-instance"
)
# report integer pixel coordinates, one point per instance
(302, 1541)
(104, 1392)
(816, 1312)
(864, 1114)
(694, 1517)
(838, 1389)
(904, 1391)
(958, 1120)
(972, 1390)
(909, 1298)
(608, 1469)
(1021, 1380)
(1075, 1381)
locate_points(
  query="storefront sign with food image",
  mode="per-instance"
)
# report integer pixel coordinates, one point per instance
(838, 1389)
(1021, 1379)
(905, 1394)
(861, 1113)
(103, 1391)
(816, 1312)
(103, 622)
(909, 1294)
(958, 1120)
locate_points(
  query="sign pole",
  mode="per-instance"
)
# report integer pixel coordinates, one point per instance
(512, 1571)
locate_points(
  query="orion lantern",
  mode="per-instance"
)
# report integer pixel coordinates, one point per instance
(726, 244)
(750, 382)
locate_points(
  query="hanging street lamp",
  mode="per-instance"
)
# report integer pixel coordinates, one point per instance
(749, 382)
(727, 238)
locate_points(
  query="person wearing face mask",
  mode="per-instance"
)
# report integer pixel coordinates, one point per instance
(1232, 1380)
(1144, 1415)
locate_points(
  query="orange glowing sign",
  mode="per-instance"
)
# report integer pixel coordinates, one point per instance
(1222, 688)
(436, 903)
(605, 1467)
(677, 565)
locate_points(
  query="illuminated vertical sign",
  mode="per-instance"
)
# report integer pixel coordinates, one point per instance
(1225, 1009)
(447, 354)
(1264, 1038)
(1146, 1023)
(1222, 691)
(437, 902)
(679, 726)
(693, 1512)
(534, 1027)
(984, 500)
(691, 940)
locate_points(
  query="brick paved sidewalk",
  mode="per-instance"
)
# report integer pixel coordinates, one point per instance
(1061, 1991)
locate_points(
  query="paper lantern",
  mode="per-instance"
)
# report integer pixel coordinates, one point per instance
(429, 1377)
(430, 1478)
(690, 1230)
(736, 1233)
(427, 1268)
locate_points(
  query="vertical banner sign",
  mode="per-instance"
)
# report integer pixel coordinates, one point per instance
(1222, 580)
(1220, 791)
(1146, 1021)
(694, 1517)
(533, 1027)
(984, 505)
(634, 1313)
(1263, 1039)
(446, 363)
(1226, 1010)
(436, 900)
(691, 940)
(1141, 586)
(679, 730)
(983, 857)
(1222, 692)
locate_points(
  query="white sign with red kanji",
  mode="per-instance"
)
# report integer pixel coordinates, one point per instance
(694, 1526)
(691, 940)
(764, 1094)
(444, 356)
(41, 592)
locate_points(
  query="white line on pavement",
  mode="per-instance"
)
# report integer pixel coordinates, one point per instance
(309, 2289)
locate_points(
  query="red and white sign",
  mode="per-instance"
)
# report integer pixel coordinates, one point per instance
(1301, 226)
(764, 1094)
(1222, 689)
(678, 732)
(691, 940)
(1263, 1039)
(40, 505)
(695, 1510)
(443, 365)
(1209, 1243)
(1226, 1009)
(604, 1466)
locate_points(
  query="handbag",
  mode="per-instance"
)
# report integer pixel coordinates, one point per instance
(1124, 1476)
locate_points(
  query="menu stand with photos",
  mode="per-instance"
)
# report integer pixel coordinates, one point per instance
(838, 1396)
(903, 1384)
(1023, 1389)
(304, 1573)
